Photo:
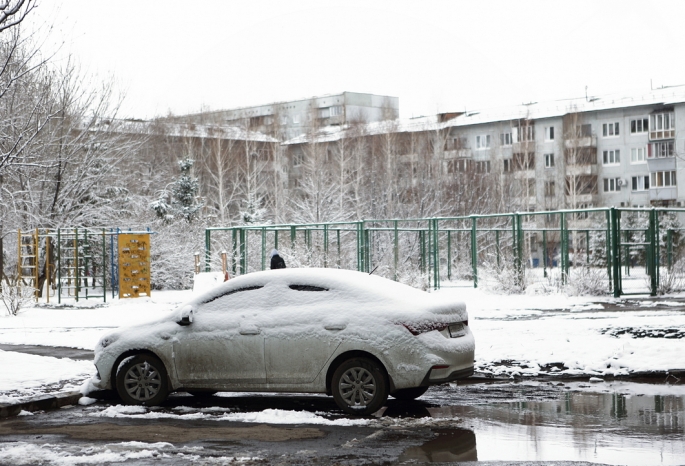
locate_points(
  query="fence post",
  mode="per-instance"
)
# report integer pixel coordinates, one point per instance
(436, 254)
(449, 255)
(396, 251)
(325, 245)
(474, 251)
(654, 252)
(360, 246)
(544, 253)
(234, 255)
(263, 248)
(518, 251)
(563, 253)
(616, 251)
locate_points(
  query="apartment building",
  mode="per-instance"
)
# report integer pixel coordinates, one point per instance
(617, 150)
(598, 151)
(289, 119)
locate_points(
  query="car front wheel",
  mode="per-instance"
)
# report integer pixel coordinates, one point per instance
(142, 380)
(359, 386)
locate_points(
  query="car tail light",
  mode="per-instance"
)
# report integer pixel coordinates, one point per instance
(418, 329)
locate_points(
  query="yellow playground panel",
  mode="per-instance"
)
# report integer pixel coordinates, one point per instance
(134, 264)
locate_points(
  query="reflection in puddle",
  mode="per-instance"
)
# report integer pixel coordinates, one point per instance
(606, 428)
(450, 445)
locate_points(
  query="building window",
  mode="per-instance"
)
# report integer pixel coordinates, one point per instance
(610, 129)
(584, 131)
(324, 112)
(336, 110)
(456, 143)
(612, 184)
(639, 126)
(581, 184)
(284, 119)
(550, 188)
(549, 160)
(661, 149)
(507, 165)
(298, 159)
(483, 167)
(611, 157)
(662, 125)
(638, 154)
(662, 179)
(463, 165)
(640, 183)
(296, 119)
(524, 161)
(505, 139)
(483, 142)
(524, 132)
(549, 133)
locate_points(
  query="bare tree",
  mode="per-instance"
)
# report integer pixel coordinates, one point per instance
(13, 12)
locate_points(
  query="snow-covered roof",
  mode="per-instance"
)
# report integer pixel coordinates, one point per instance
(532, 111)
(335, 133)
(538, 110)
(153, 127)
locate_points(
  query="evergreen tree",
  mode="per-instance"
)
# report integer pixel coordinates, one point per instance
(182, 201)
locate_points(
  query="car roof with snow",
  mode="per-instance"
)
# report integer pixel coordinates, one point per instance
(385, 295)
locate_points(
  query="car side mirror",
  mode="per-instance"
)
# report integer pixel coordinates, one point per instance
(186, 316)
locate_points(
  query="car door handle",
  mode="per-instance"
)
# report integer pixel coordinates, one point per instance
(335, 327)
(249, 331)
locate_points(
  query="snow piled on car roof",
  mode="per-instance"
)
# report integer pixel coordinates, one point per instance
(338, 290)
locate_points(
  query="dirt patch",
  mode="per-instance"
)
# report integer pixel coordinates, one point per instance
(675, 333)
(164, 433)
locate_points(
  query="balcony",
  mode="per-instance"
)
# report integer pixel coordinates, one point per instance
(663, 194)
(585, 141)
(457, 153)
(575, 170)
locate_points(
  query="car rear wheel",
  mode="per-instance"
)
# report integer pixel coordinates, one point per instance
(359, 386)
(142, 380)
(407, 394)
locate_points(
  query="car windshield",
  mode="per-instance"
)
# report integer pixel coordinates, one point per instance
(237, 290)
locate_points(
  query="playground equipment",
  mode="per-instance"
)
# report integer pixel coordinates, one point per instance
(615, 239)
(72, 263)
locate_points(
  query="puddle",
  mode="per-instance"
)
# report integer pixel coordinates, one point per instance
(608, 428)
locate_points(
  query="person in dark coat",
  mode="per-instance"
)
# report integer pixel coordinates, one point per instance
(277, 261)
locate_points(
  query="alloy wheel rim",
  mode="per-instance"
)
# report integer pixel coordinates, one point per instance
(143, 381)
(357, 387)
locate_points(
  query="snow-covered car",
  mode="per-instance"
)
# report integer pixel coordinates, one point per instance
(355, 336)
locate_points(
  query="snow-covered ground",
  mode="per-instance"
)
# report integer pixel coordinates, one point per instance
(515, 335)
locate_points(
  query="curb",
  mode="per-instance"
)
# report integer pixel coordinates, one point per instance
(40, 403)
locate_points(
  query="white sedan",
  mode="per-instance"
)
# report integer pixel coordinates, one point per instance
(355, 336)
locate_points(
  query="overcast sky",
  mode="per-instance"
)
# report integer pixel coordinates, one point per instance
(183, 56)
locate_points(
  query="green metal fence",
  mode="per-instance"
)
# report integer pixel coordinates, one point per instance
(521, 247)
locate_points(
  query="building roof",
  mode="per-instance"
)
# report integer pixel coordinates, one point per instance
(535, 110)
(182, 130)
(531, 111)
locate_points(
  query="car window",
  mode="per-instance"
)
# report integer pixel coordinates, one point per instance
(307, 288)
(237, 290)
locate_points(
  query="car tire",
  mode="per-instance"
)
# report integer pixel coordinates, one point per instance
(360, 386)
(408, 394)
(142, 380)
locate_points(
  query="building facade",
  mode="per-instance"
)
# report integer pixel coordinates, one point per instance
(290, 119)
(593, 152)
